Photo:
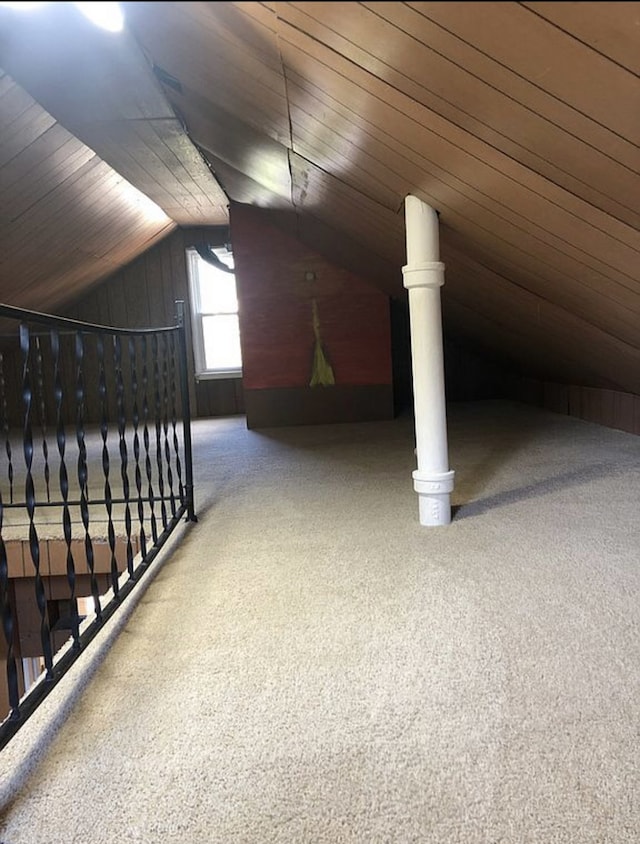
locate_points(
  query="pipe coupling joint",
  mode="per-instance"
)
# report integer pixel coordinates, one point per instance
(424, 274)
(433, 483)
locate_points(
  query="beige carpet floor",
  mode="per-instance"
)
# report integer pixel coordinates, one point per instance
(309, 664)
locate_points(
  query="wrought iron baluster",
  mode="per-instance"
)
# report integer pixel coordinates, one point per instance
(174, 417)
(83, 472)
(30, 499)
(58, 392)
(186, 411)
(158, 426)
(165, 420)
(104, 433)
(136, 443)
(43, 413)
(8, 627)
(145, 437)
(5, 428)
(124, 457)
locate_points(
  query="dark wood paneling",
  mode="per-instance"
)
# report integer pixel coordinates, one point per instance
(143, 295)
(220, 397)
(611, 408)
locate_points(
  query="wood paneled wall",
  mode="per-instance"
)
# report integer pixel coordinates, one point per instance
(143, 295)
(611, 408)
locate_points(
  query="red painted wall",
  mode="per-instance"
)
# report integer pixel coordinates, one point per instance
(276, 316)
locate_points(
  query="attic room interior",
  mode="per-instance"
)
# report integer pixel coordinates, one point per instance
(320, 404)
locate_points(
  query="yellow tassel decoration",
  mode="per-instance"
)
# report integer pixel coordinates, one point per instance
(321, 371)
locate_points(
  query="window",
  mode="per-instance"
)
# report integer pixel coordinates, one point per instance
(214, 314)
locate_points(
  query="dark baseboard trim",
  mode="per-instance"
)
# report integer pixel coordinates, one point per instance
(318, 405)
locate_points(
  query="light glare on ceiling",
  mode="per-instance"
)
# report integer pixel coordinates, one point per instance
(105, 15)
(23, 6)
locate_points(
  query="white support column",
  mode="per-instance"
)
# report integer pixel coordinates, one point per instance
(423, 278)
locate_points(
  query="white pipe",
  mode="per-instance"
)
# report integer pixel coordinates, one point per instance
(423, 277)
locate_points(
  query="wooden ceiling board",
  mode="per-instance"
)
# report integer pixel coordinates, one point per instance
(23, 131)
(242, 188)
(331, 199)
(70, 203)
(498, 93)
(144, 158)
(482, 97)
(90, 82)
(44, 155)
(563, 330)
(71, 272)
(332, 154)
(590, 304)
(507, 343)
(239, 94)
(589, 364)
(49, 174)
(554, 61)
(609, 28)
(465, 273)
(246, 26)
(336, 149)
(192, 43)
(238, 101)
(65, 220)
(454, 195)
(14, 101)
(257, 155)
(484, 168)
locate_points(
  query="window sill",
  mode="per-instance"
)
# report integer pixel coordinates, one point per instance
(218, 374)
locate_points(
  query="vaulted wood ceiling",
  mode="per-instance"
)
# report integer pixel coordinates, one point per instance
(518, 122)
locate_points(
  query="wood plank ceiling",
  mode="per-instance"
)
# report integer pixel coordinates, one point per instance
(95, 167)
(518, 122)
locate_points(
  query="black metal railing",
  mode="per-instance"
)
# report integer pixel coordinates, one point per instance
(95, 474)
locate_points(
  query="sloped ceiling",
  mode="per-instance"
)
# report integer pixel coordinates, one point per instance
(95, 166)
(518, 122)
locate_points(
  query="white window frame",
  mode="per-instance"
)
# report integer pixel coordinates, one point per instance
(197, 332)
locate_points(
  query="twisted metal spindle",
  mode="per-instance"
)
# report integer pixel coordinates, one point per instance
(8, 626)
(145, 438)
(104, 433)
(174, 417)
(186, 411)
(136, 444)
(5, 428)
(30, 499)
(83, 473)
(43, 413)
(165, 420)
(124, 457)
(158, 427)
(58, 393)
